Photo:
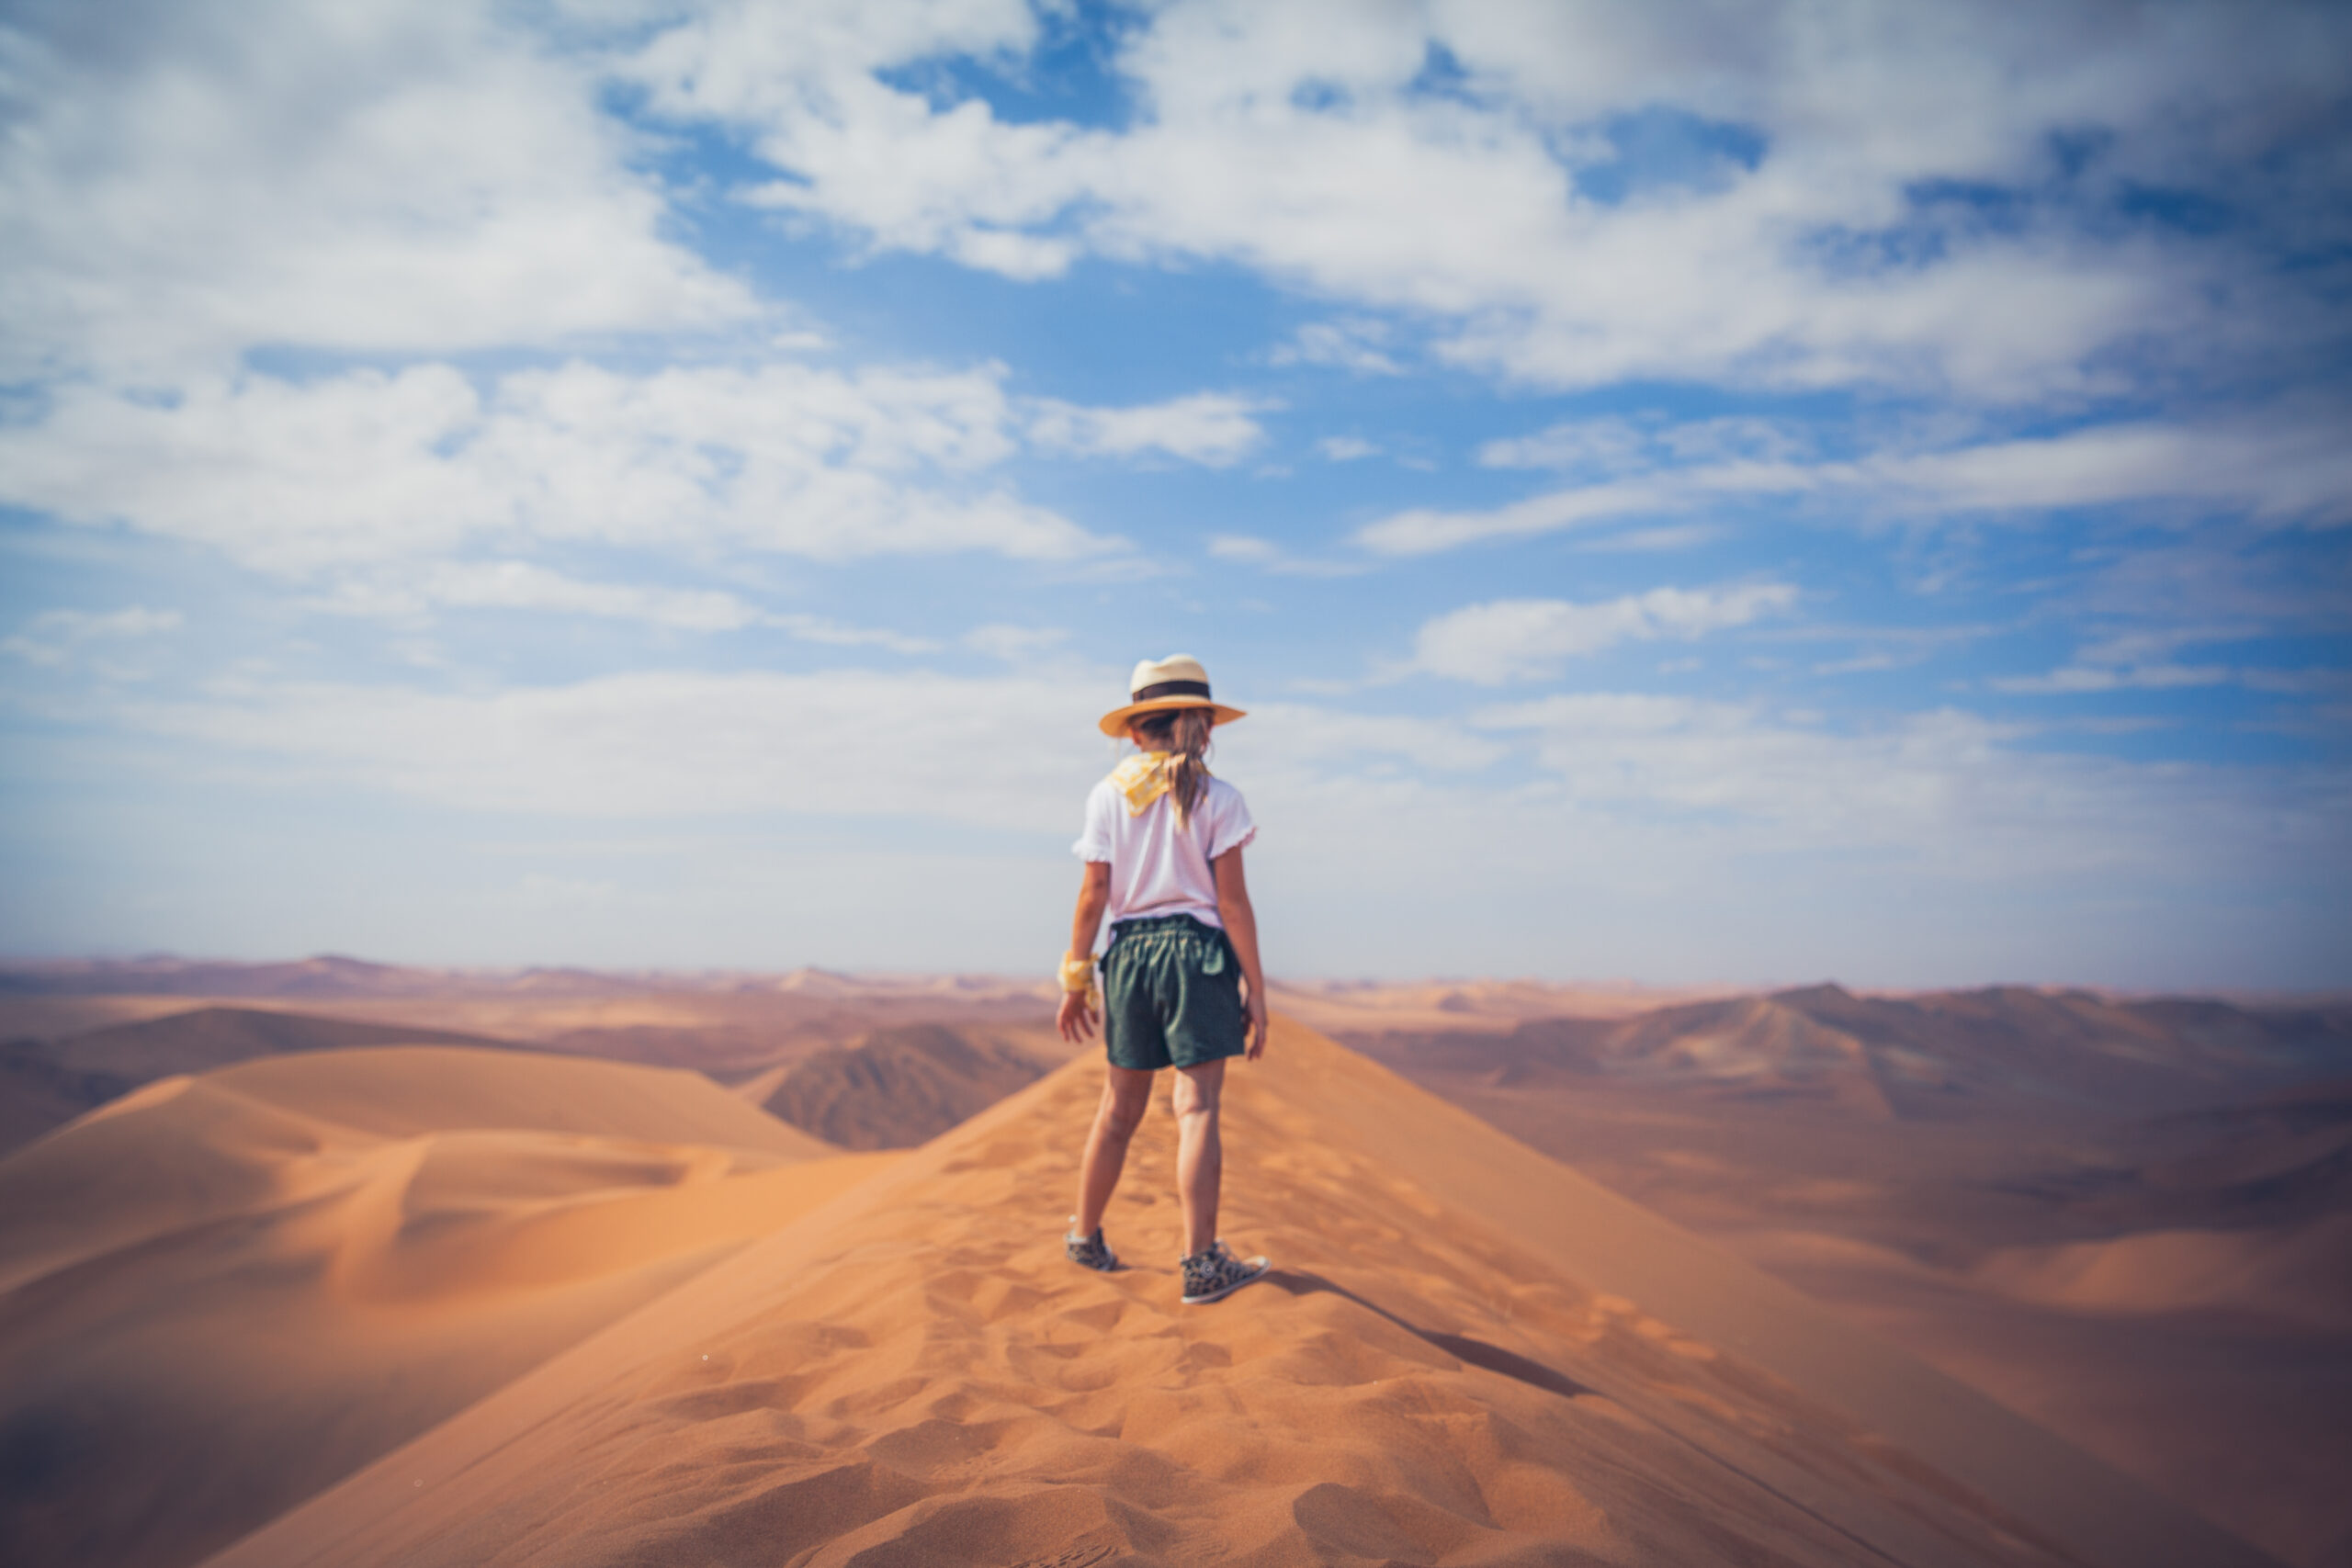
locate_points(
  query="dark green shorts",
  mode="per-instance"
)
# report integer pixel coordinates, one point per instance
(1172, 994)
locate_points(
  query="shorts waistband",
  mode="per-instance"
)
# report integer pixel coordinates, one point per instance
(1149, 925)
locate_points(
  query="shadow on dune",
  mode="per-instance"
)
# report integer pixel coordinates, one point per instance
(1461, 1347)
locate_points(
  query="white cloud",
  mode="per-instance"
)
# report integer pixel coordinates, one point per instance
(1526, 638)
(519, 585)
(1211, 428)
(1678, 536)
(369, 468)
(1358, 344)
(661, 744)
(2081, 678)
(1250, 551)
(2289, 468)
(1301, 748)
(2291, 465)
(1952, 793)
(1244, 547)
(1294, 139)
(49, 638)
(832, 633)
(1015, 644)
(1345, 448)
(1610, 446)
(190, 179)
(1424, 530)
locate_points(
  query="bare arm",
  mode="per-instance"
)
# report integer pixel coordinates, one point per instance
(1075, 1020)
(1241, 929)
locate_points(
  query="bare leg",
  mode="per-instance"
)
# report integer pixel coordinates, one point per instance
(1200, 1151)
(1126, 1095)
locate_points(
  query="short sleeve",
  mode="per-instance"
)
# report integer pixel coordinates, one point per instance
(1229, 825)
(1094, 838)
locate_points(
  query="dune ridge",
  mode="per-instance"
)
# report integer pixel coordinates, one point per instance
(1467, 1353)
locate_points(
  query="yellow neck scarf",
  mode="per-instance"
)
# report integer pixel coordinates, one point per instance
(1146, 776)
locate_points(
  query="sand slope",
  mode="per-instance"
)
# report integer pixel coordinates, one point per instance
(221, 1293)
(1469, 1354)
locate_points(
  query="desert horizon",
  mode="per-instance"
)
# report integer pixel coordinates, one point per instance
(1966, 1275)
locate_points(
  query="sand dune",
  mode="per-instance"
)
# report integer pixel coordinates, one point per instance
(2302, 1273)
(1469, 1354)
(1997, 1051)
(37, 1092)
(223, 1292)
(46, 1083)
(325, 975)
(897, 1087)
(731, 1025)
(1342, 1006)
(208, 1037)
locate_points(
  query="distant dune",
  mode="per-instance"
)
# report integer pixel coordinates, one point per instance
(209, 1037)
(223, 1292)
(898, 1087)
(1467, 1354)
(2302, 1273)
(44, 1084)
(1933, 1055)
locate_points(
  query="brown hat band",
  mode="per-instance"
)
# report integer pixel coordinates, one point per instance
(1170, 689)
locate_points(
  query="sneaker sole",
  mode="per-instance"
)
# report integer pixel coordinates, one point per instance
(1256, 1266)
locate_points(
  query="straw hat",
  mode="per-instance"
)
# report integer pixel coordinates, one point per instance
(1175, 681)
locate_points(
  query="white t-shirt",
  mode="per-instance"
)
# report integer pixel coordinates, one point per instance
(1157, 867)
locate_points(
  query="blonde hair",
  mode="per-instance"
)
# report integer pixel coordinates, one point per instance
(1184, 731)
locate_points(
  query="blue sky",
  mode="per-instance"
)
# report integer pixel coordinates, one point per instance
(1756, 493)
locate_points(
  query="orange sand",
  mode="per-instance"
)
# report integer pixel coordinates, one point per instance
(1469, 1354)
(221, 1294)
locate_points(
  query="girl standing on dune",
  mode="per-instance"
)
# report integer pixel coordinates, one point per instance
(1162, 848)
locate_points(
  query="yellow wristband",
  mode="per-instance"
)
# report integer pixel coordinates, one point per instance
(1078, 973)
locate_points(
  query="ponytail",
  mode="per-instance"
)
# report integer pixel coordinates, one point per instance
(1186, 732)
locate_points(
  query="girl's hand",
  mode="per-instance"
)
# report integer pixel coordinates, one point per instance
(1254, 1006)
(1075, 1020)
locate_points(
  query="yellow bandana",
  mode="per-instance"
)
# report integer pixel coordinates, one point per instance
(1146, 776)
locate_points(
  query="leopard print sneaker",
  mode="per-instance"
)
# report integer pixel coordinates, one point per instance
(1088, 1251)
(1215, 1273)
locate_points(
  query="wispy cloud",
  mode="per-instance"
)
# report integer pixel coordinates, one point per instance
(1213, 428)
(1359, 344)
(50, 638)
(1250, 550)
(785, 459)
(1510, 640)
(2289, 470)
